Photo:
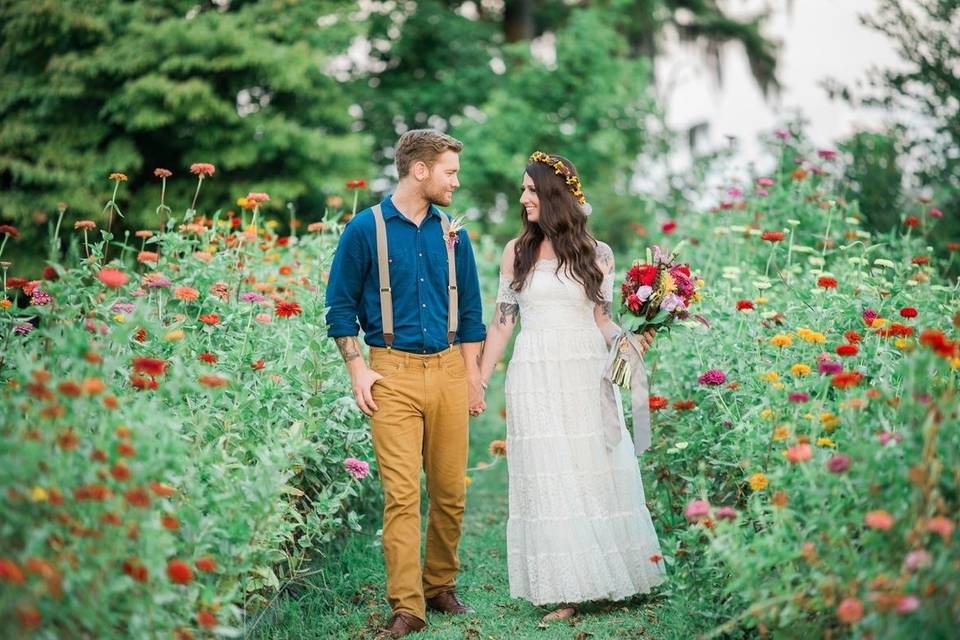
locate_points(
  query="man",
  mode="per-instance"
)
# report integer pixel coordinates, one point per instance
(424, 330)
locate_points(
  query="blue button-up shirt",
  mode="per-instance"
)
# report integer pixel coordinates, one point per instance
(418, 277)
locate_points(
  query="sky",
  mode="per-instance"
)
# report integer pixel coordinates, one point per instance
(821, 38)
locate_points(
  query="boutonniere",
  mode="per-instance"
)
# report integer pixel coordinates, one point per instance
(452, 236)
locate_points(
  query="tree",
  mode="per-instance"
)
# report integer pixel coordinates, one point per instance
(92, 87)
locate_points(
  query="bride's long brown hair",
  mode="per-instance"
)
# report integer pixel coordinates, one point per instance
(563, 222)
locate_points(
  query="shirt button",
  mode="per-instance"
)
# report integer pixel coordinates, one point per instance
(420, 254)
(424, 306)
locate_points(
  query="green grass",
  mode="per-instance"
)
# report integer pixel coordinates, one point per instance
(346, 598)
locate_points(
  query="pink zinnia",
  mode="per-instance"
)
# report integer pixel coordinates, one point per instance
(783, 134)
(357, 468)
(941, 526)
(40, 297)
(887, 436)
(907, 604)
(162, 173)
(869, 315)
(838, 463)
(935, 213)
(850, 611)
(726, 513)
(799, 453)
(827, 154)
(258, 197)
(917, 559)
(765, 182)
(713, 377)
(798, 396)
(202, 169)
(829, 367)
(879, 519)
(697, 510)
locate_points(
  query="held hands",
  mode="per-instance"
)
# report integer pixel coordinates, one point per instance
(476, 392)
(363, 383)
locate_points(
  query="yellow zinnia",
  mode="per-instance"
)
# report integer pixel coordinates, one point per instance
(781, 340)
(825, 442)
(770, 376)
(758, 482)
(766, 414)
(800, 369)
(781, 433)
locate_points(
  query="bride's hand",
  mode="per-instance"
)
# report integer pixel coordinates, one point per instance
(646, 339)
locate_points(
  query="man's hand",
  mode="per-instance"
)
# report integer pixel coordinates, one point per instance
(363, 382)
(475, 396)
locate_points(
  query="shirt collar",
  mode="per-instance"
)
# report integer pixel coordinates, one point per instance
(390, 211)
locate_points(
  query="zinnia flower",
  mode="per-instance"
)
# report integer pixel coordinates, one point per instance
(212, 380)
(286, 309)
(850, 611)
(912, 221)
(162, 173)
(712, 377)
(826, 282)
(206, 564)
(847, 350)
(726, 513)
(118, 177)
(149, 366)
(744, 305)
(210, 319)
(202, 169)
(206, 619)
(878, 519)
(799, 453)
(758, 481)
(179, 572)
(357, 468)
(657, 402)
(187, 294)
(147, 256)
(798, 396)
(498, 448)
(908, 312)
(942, 526)
(917, 559)
(668, 227)
(356, 184)
(846, 379)
(251, 296)
(838, 463)
(209, 358)
(772, 236)
(697, 510)
(84, 225)
(40, 297)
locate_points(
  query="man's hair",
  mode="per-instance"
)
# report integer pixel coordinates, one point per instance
(423, 145)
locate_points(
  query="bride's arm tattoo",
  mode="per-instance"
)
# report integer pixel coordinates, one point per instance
(509, 310)
(605, 309)
(605, 257)
(349, 348)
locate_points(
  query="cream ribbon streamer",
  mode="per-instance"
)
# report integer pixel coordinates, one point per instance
(628, 348)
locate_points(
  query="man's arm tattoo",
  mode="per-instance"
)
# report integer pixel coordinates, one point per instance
(348, 348)
(508, 310)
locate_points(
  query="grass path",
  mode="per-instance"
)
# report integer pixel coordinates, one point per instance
(346, 598)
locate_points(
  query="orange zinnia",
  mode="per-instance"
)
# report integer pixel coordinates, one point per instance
(287, 309)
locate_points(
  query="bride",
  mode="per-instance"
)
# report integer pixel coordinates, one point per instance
(578, 528)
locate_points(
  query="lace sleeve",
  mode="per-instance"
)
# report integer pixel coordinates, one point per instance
(505, 293)
(606, 287)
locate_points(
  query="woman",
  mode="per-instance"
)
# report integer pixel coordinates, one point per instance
(578, 529)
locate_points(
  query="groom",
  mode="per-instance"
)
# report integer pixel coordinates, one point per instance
(392, 276)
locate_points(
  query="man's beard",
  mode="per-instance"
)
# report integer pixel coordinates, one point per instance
(439, 197)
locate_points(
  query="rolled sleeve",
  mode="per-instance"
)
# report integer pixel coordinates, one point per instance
(471, 327)
(345, 285)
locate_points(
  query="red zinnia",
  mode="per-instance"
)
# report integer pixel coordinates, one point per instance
(287, 309)
(212, 380)
(908, 312)
(148, 256)
(846, 379)
(847, 350)
(852, 337)
(669, 226)
(150, 366)
(133, 568)
(772, 236)
(137, 498)
(257, 365)
(206, 619)
(921, 260)
(210, 358)
(743, 305)
(210, 319)
(9, 230)
(912, 221)
(826, 282)
(684, 405)
(657, 403)
(179, 572)
(356, 184)
(206, 564)
(112, 278)
(170, 522)
(162, 490)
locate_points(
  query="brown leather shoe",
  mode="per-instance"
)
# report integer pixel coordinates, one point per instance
(449, 602)
(401, 624)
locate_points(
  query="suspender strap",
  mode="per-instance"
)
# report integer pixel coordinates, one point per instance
(386, 294)
(383, 268)
(453, 314)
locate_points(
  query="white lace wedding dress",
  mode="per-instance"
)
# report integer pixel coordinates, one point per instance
(578, 528)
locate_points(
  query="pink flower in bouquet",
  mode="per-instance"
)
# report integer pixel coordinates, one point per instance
(672, 302)
(357, 468)
(697, 510)
(713, 377)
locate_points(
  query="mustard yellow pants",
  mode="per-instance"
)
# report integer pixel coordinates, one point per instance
(420, 423)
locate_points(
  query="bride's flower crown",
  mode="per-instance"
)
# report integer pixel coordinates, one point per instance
(562, 170)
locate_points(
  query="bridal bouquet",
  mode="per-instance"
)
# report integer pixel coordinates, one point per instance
(654, 293)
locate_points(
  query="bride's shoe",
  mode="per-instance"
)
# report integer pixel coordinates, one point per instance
(563, 612)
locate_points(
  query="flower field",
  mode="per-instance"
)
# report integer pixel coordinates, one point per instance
(178, 436)
(177, 433)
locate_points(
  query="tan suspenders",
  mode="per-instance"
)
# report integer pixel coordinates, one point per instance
(386, 295)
